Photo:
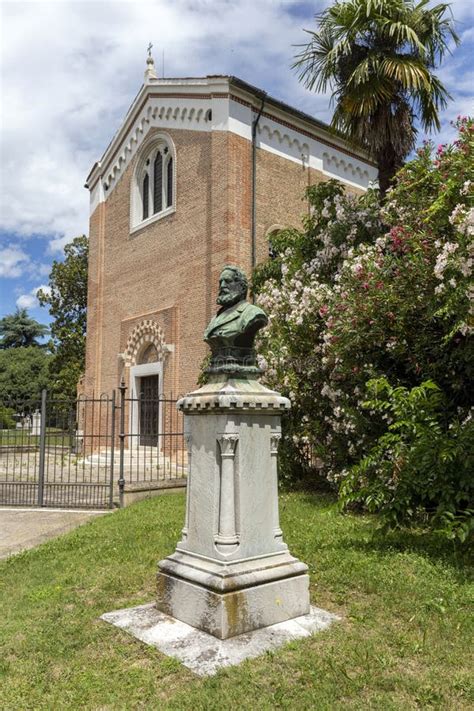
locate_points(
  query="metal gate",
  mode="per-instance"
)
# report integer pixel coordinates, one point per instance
(89, 452)
(45, 456)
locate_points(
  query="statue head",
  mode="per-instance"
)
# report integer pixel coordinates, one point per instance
(233, 286)
(231, 332)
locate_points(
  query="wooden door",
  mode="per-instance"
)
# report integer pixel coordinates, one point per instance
(149, 410)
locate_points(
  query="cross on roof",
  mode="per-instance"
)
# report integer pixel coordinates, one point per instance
(149, 49)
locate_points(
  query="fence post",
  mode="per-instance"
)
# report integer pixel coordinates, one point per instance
(112, 452)
(121, 480)
(42, 445)
(71, 427)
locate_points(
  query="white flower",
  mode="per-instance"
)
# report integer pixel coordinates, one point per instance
(442, 259)
(467, 225)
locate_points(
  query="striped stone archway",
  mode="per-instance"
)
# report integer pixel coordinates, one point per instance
(145, 333)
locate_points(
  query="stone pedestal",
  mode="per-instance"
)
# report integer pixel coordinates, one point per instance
(231, 572)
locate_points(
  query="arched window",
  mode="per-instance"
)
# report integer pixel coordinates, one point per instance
(153, 188)
(169, 180)
(148, 355)
(145, 191)
(158, 183)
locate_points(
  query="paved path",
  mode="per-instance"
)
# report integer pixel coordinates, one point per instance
(26, 528)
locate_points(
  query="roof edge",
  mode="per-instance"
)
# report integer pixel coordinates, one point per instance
(238, 84)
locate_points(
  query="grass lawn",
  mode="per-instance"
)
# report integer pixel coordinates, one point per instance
(405, 641)
(22, 438)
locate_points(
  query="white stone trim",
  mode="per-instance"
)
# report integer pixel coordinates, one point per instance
(97, 195)
(191, 113)
(137, 372)
(147, 149)
(146, 332)
(305, 151)
(154, 218)
(180, 114)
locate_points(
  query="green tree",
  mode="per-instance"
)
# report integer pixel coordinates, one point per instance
(379, 56)
(24, 372)
(67, 303)
(18, 330)
(371, 337)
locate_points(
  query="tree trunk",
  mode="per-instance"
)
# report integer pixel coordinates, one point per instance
(388, 164)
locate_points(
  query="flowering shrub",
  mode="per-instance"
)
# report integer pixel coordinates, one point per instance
(418, 468)
(365, 292)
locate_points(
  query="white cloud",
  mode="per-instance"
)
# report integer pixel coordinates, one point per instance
(26, 301)
(70, 69)
(30, 300)
(13, 261)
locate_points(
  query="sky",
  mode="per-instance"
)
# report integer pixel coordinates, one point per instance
(70, 69)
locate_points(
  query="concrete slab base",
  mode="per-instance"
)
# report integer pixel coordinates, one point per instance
(203, 653)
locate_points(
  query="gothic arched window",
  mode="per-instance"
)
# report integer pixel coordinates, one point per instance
(153, 188)
(158, 183)
(169, 180)
(145, 191)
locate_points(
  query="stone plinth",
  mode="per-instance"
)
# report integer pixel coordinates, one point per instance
(203, 653)
(232, 572)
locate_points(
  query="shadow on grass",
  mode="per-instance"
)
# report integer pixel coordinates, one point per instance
(429, 544)
(424, 542)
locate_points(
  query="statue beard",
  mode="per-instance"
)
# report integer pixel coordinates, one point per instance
(229, 298)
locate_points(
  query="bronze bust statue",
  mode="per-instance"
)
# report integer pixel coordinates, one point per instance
(231, 333)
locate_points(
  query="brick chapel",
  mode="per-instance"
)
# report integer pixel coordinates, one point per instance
(200, 173)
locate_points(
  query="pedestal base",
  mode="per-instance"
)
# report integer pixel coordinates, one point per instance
(203, 653)
(231, 572)
(228, 600)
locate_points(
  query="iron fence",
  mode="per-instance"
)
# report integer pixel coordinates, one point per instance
(89, 452)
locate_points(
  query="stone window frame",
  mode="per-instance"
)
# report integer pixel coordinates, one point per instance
(145, 165)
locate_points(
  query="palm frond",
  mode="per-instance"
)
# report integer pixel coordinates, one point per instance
(408, 71)
(402, 34)
(378, 58)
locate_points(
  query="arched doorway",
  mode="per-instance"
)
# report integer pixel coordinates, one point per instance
(148, 388)
(145, 356)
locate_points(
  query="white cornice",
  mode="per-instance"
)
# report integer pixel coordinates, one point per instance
(186, 104)
(297, 120)
(155, 87)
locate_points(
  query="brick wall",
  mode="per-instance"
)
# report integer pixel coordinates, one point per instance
(168, 271)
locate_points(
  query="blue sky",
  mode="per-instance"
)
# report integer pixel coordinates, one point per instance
(70, 69)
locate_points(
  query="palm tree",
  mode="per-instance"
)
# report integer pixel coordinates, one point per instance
(18, 330)
(378, 57)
